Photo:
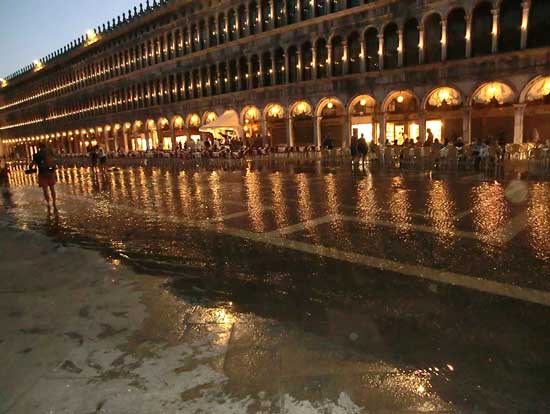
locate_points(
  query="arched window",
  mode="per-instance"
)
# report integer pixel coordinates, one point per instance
(213, 31)
(253, 17)
(233, 75)
(391, 44)
(354, 53)
(482, 28)
(337, 56)
(221, 28)
(279, 13)
(371, 42)
(510, 25)
(456, 34)
(322, 57)
(266, 15)
(243, 74)
(266, 68)
(280, 66)
(432, 32)
(539, 24)
(255, 71)
(292, 64)
(320, 7)
(411, 39)
(307, 11)
(292, 11)
(223, 78)
(203, 34)
(232, 25)
(241, 12)
(307, 61)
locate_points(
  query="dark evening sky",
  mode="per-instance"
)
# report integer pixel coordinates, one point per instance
(31, 29)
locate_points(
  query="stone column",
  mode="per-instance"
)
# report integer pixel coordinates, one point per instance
(106, 135)
(443, 40)
(260, 25)
(526, 6)
(313, 62)
(363, 55)
(421, 51)
(247, 20)
(300, 67)
(382, 122)
(421, 127)
(468, 36)
(287, 67)
(329, 63)
(400, 48)
(272, 12)
(273, 68)
(249, 72)
(495, 31)
(289, 130)
(519, 112)
(381, 51)
(263, 128)
(345, 62)
(173, 136)
(317, 139)
(261, 64)
(467, 125)
(346, 133)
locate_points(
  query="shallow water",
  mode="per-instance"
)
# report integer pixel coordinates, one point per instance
(356, 258)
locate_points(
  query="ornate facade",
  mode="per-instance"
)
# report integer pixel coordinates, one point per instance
(294, 70)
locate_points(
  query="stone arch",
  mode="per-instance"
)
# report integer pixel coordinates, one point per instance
(177, 122)
(523, 96)
(331, 115)
(394, 95)
(435, 89)
(193, 121)
(505, 85)
(208, 116)
(275, 127)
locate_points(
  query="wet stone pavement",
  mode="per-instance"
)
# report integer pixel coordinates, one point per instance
(292, 288)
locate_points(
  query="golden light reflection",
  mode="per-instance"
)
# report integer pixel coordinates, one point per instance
(367, 204)
(441, 213)
(538, 213)
(185, 195)
(279, 202)
(489, 213)
(400, 208)
(217, 198)
(304, 204)
(254, 198)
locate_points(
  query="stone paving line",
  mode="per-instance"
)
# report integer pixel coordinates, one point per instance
(478, 282)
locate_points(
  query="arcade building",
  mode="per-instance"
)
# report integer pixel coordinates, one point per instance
(289, 72)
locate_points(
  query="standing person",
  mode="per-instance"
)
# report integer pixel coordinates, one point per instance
(4, 176)
(429, 138)
(362, 148)
(45, 161)
(353, 148)
(102, 155)
(502, 146)
(92, 152)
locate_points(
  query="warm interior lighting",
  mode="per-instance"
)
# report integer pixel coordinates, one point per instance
(400, 99)
(330, 105)
(38, 65)
(363, 102)
(3, 82)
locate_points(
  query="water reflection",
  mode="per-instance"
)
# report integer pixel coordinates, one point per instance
(278, 200)
(400, 208)
(490, 211)
(538, 212)
(305, 211)
(441, 212)
(254, 198)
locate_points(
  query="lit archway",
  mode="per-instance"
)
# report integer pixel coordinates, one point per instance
(492, 111)
(164, 136)
(361, 110)
(401, 110)
(443, 113)
(301, 115)
(536, 123)
(139, 141)
(250, 119)
(193, 125)
(178, 124)
(333, 130)
(152, 134)
(275, 124)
